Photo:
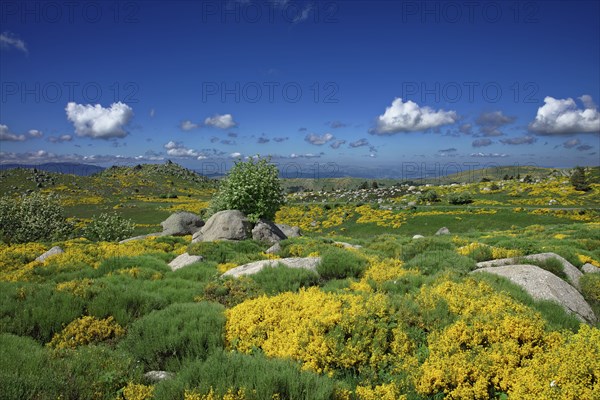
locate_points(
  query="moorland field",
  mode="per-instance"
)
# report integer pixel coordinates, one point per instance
(390, 317)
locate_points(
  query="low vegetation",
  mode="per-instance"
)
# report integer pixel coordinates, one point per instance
(391, 318)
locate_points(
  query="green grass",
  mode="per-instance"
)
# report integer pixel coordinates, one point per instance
(284, 279)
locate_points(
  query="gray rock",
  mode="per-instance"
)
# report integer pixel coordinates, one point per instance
(182, 223)
(276, 248)
(225, 225)
(412, 203)
(443, 231)
(140, 237)
(348, 245)
(544, 285)
(289, 231)
(157, 376)
(569, 269)
(418, 237)
(52, 252)
(588, 268)
(183, 261)
(267, 231)
(309, 263)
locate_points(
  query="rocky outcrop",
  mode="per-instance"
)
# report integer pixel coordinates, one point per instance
(348, 245)
(309, 263)
(588, 268)
(225, 225)
(157, 376)
(183, 261)
(52, 252)
(569, 269)
(267, 231)
(544, 285)
(289, 231)
(181, 223)
(418, 237)
(276, 248)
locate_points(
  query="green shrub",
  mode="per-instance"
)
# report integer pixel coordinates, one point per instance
(32, 218)
(429, 196)
(37, 311)
(339, 264)
(109, 227)
(460, 198)
(262, 378)
(239, 252)
(25, 370)
(163, 339)
(94, 372)
(284, 279)
(590, 288)
(253, 187)
(125, 298)
(232, 291)
(551, 265)
(426, 244)
(432, 262)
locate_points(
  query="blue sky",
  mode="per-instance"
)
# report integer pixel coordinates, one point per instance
(350, 85)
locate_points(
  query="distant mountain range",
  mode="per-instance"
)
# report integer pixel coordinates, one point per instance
(62, 168)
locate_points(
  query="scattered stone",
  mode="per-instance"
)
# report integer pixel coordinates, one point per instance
(183, 261)
(267, 231)
(412, 203)
(141, 237)
(443, 231)
(309, 263)
(289, 231)
(157, 376)
(544, 285)
(225, 225)
(182, 223)
(348, 245)
(276, 248)
(569, 269)
(418, 237)
(52, 252)
(588, 268)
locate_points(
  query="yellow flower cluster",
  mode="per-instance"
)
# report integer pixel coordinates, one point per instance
(381, 271)
(388, 391)
(222, 268)
(325, 331)
(570, 369)
(561, 213)
(385, 218)
(86, 330)
(134, 391)
(15, 257)
(79, 288)
(587, 259)
(240, 394)
(491, 252)
(194, 206)
(493, 338)
(486, 202)
(80, 200)
(309, 220)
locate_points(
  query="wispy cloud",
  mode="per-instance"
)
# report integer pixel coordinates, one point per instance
(318, 140)
(9, 40)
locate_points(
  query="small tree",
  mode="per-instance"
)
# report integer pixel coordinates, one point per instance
(460, 198)
(579, 180)
(253, 187)
(109, 227)
(33, 218)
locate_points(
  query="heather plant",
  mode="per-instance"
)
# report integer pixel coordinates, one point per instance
(230, 375)
(460, 198)
(284, 279)
(338, 263)
(231, 291)
(31, 218)
(253, 187)
(164, 339)
(109, 227)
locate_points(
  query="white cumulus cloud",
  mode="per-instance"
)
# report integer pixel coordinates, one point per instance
(7, 136)
(563, 117)
(176, 149)
(188, 125)
(318, 140)
(410, 117)
(98, 122)
(224, 121)
(235, 155)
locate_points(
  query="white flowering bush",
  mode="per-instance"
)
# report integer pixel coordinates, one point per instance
(252, 187)
(109, 227)
(31, 218)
